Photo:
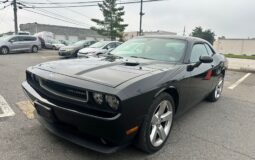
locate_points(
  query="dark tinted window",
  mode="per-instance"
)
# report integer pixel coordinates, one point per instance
(197, 51)
(209, 50)
(25, 38)
(111, 45)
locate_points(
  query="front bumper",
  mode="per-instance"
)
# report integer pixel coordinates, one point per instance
(82, 54)
(101, 134)
(65, 53)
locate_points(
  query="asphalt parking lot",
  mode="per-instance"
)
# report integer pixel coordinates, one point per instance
(221, 130)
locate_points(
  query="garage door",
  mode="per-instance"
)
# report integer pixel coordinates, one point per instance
(73, 38)
(60, 37)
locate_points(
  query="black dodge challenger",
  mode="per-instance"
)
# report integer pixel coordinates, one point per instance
(131, 94)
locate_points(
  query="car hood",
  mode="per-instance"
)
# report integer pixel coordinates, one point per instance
(70, 47)
(106, 71)
(88, 50)
(58, 44)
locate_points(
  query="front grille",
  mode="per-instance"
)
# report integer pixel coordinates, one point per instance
(64, 91)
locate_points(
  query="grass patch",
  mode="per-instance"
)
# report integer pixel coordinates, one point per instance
(240, 56)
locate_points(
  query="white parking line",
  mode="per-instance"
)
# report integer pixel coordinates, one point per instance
(239, 81)
(6, 109)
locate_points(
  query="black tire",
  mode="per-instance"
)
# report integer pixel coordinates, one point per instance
(54, 48)
(216, 93)
(143, 141)
(4, 50)
(75, 54)
(34, 49)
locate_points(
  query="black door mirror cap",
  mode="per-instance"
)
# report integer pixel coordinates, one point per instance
(206, 59)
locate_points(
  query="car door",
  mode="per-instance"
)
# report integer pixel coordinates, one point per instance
(14, 44)
(200, 81)
(22, 43)
(27, 42)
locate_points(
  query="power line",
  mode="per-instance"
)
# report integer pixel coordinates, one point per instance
(55, 14)
(43, 3)
(74, 11)
(5, 7)
(42, 14)
(4, 1)
(91, 5)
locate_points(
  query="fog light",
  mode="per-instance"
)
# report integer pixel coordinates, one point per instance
(98, 97)
(112, 101)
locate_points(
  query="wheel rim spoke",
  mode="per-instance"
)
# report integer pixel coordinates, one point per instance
(162, 107)
(166, 116)
(219, 89)
(161, 133)
(154, 119)
(153, 134)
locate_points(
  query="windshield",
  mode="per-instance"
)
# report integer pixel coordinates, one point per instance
(4, 38)
(162, 49)
(56, 41)
(79, 43)
(99, 44)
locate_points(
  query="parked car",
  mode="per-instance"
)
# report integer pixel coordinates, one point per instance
(72, 50)
(98, 48)
(54, 44)
(130, 95)
(18, 43)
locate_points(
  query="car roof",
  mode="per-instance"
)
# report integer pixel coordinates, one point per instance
(187, 38)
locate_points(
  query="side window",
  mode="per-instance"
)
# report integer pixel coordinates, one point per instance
(22, 39)
(14, 39)
(197, 51)
(209, 50)
(117, 44)
(111, 45)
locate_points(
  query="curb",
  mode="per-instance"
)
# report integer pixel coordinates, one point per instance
(250, 70)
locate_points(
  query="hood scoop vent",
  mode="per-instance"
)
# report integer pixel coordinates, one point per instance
(131, 63)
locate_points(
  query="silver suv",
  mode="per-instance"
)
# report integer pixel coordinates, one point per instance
(17, 43)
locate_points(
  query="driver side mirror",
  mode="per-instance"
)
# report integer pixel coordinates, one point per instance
(206, 59)
(12, 40)
(202, 59)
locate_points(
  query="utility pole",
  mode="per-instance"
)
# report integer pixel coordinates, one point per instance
(184, 31)
(15, 16)
(141, 17)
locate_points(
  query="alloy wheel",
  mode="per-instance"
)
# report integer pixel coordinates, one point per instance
(161, 123)
(4, 50)
(35, 49)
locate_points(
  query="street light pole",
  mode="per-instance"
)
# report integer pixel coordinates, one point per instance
(141, 16)
(15, 16)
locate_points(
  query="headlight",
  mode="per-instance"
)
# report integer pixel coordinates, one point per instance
(112, 101)
(98, 98)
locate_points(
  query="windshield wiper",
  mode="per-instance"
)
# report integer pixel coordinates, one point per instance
(141, 57)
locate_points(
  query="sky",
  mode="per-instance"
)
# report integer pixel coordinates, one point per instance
(229, 18)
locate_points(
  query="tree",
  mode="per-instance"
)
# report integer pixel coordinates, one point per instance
(112, 25)
(206, 34)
